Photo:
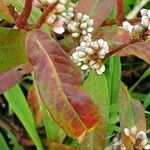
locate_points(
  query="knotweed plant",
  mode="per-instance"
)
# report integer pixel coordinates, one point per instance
(60, 73)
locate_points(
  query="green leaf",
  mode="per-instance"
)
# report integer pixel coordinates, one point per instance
(4, 12)
(12, 48)
(142, 77)
(13, 139)
(3, 143)
(96, 86)
(20, 106)
(131, 114)
(147, 101)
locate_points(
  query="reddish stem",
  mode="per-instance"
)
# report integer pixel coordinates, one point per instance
(121, 47)
(114, 21)
(120, 11)
(21, 21)
(44, 15)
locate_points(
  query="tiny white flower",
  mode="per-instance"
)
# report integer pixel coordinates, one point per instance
(85, 18)
(89, 50)
(101, 42)
(83, 25)
(79, 16)
(143, 12)
(60, 8)
(127, 132)
(51, 1)
(90, 22)
(147, 147)
(75, 35)
(81, 54)
(51, 19)
(84, 32)
(70, 9)
(101, 70)
(63, 1)
(84, 67)
(127, 26)
(90, 29)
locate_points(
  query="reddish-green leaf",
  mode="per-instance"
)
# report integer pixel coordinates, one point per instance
(131, 114)
(96, 9)
(9, 78)
(34, 105)
(139, 49)
(58, 82)
(12, 48)
(114, 35)
(4, 12)
(117, 36)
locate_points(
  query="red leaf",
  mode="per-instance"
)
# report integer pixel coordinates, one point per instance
(116, 37)
(58, 82)
(139, 49)
(34, 105)
(11, 77)
(96, 9)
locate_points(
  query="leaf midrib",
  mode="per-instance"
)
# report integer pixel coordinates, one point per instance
(57, 80)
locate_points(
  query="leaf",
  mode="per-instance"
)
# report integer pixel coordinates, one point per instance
(13, 139)
(114, 35)
(4, 12)
(58, 82)
(131, 114)
(96, 9)
(96, 86)
(40, 111)
(12, 48)
(3, 143)
(142, 77)
(20, 106)
(147, 101)
(113, 75)
(139, 49)
(11, 77)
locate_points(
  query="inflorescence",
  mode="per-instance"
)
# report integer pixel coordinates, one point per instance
(89, 54)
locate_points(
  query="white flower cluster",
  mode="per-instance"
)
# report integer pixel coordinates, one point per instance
(145, 22)
(60, 14)
(69, 13)
(139, 139)
(82, 27)
(89, 55)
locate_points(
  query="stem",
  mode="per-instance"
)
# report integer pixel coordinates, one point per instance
(115, 22)
(120, 11)
(44, 15)
(21, 21)
(57, 146)
(121, 47)
(137, 8)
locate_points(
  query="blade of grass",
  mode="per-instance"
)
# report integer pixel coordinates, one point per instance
(147, 101)
(3, 143)
(12, 137)
(145, 74)
(20, 106)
